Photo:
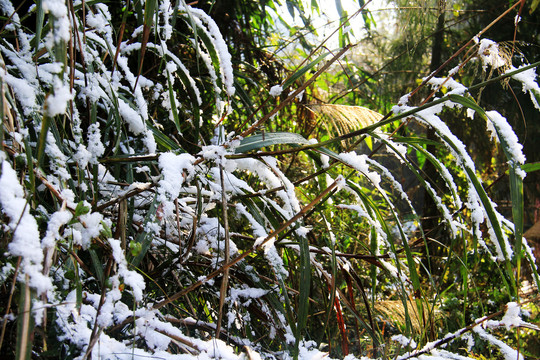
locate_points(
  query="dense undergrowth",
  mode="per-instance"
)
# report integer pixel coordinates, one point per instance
(146, 212)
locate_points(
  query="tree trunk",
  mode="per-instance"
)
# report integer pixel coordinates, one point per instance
(430, 212)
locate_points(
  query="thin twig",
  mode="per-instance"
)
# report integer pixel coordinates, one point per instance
(97, 329)
(449, 338)
(225, 280)
(296, 92)
(8, 307)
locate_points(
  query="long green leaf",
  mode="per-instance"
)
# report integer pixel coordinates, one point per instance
(374, 208)
(258, 141)
(172, 100)
(144, 238)
(42, 142)
(194, 100)
(303, 70)
(534, 5)
(531, 167)
(516, 182)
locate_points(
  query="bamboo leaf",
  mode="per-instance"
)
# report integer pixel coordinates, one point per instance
(98, 266)
(211, 48)
(42, 142)
(258, 141)
(172, 99)
(516, 187)
(163, 140)
(145, 239)
(531, 167)
(302, 71)
(190, 87)
(40, 17)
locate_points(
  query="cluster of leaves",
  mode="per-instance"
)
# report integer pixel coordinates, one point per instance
(143, 214)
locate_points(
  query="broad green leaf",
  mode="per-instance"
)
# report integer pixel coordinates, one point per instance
(164, 141)
(81, 209)
(258, 141)
(531, 167)
(467, 102)
(415, 140)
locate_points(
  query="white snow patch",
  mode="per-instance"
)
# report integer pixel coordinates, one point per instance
(276, 90)
(26, 240)
(489, 53)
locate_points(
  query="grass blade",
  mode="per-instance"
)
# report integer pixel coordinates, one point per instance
(258, 141)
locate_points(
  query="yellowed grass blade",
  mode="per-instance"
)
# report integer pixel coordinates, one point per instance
(394, 311)
(346, 118)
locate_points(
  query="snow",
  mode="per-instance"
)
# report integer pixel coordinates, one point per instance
(401, 106)
(276, 90)
(131, 117)
(57, 158)
(9, 11)
(166, 12)
(489, 53)
(274, 259)
(246, 293)
(219, 43)
(507, 352)
(457, 149)
(26, 241)
(24, 92)
(175, 169)
(62, 27)
(131, 277)
(90, 227)
(95, 146)
(359, 163)
(6, 271)
(56, 221)
(505, 131)
(258, 230)
(325, 161)
(404, 341)
(529, 83)
(184, 70)
(455, 87)
(512, 316)
(529, 252)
